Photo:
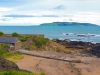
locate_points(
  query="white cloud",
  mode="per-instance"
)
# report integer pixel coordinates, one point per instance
(87, 17)
(84, 17)
(5, 9)
(73, 10)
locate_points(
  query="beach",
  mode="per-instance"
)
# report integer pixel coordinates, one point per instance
(88, 66)
(48, 66)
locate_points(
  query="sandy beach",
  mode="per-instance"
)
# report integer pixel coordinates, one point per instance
(89, 66)
(48, 66)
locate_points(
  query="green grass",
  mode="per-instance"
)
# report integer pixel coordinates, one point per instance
(4, 46)
(5, 54)
(17, 56)
(18, 73)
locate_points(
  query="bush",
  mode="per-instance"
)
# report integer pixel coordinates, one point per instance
(15, 34)
(1, 33)
(23, 39)
(38, 42)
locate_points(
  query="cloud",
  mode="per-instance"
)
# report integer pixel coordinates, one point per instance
(28, 16)
(83, 17)
(5, 19)
(60, 7)
(41, 11)
(50, 16)
(17, 16)
(2, 9)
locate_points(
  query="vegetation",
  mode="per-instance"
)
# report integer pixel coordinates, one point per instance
(12, 57)
(4, 47)
(1, 33)
(39, 42)
(15, 34)
(18, 73)
(23, 38)
(67, 24)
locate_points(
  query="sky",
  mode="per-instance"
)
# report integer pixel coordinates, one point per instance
(35, 12)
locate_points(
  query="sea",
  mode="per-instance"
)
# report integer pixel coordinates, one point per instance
(73, 33)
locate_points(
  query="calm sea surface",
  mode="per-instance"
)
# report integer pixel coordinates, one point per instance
(58, 32)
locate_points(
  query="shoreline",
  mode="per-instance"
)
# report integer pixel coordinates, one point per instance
(82, 47)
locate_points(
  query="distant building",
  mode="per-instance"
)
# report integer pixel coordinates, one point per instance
(14, 43)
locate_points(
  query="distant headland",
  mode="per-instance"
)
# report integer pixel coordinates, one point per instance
(67, 24)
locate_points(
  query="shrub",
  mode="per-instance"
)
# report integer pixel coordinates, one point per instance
(15, 34)
(38, 42)
(1, 33)
(23, 39)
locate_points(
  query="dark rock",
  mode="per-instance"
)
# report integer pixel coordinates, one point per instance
(6, 65)
(85, 47)
(95, 49)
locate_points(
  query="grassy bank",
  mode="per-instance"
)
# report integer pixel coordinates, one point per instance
(13, 58)
(10, 56)
(18, 73)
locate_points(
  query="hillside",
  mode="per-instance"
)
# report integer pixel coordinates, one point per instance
(67, 24)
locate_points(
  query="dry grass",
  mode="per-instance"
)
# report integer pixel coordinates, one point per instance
(51, 46)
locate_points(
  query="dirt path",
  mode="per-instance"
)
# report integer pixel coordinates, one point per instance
(48, 66)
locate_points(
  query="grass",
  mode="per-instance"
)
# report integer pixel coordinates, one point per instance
(10, 56)
(23, 38)
(13, 58)
(39, 42)
(18, 73)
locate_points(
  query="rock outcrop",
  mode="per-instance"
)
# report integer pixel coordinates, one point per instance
(84, 47)
(95, 50)
(6, 65)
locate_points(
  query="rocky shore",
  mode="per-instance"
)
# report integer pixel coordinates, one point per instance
(84, 48)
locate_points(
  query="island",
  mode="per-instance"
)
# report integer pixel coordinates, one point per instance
(67, 24)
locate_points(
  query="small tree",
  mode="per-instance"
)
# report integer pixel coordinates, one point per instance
(1, 33)
(15, 34)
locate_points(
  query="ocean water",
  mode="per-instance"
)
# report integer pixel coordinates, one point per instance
(58, 32)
